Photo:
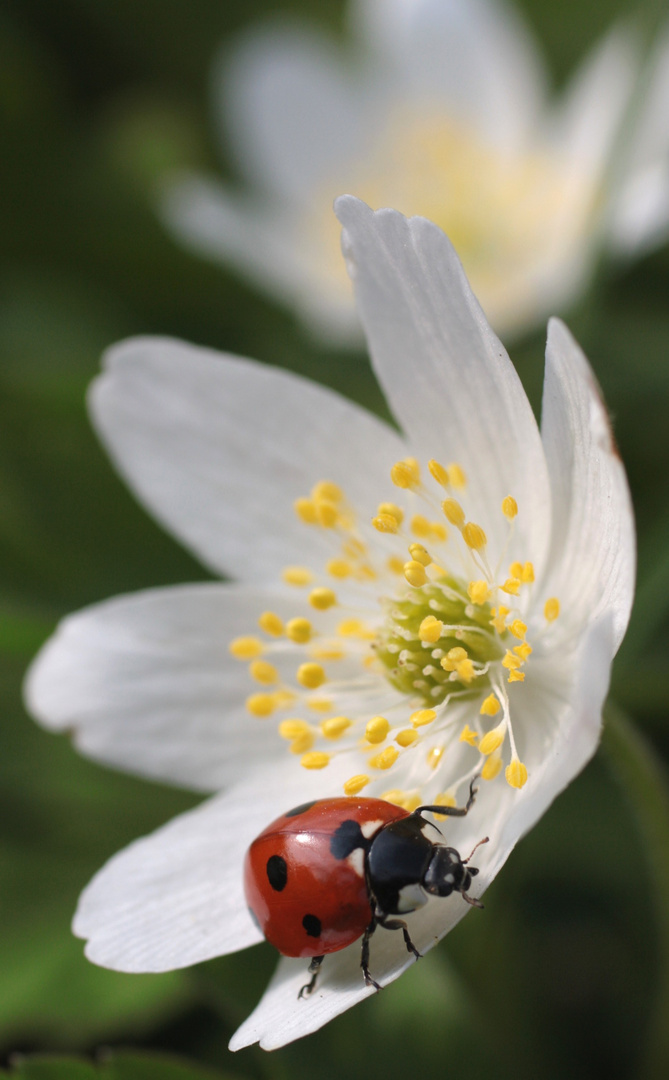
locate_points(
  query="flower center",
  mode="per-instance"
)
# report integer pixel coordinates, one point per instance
(398, 660)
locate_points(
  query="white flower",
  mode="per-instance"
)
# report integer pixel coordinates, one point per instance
(488, 655)
(441, 110)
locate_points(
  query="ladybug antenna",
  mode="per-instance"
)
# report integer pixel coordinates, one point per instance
(485, 840)
(472, 901)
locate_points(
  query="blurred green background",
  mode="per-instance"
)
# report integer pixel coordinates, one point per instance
(568, 973)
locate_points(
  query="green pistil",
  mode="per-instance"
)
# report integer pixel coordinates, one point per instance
(405, 657)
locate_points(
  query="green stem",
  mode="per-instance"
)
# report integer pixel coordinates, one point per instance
(646, 784)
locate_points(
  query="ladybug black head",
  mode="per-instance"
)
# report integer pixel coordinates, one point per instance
(447, 873)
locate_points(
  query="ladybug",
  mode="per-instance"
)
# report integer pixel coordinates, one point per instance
(330, 871)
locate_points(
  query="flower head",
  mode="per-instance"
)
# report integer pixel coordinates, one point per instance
(411, 610)
(446, 116)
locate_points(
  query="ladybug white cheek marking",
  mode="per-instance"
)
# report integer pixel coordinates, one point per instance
(368, 828)
(416, 629)
(410, 898)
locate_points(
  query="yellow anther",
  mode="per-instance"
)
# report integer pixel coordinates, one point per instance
(297, 575)
(510, 661)
(454, 512)
(453, 657)
(299, 630)
(377, 729)
(271, 623)
(465, 670)
(420, 554)
(490, 706)
(355, 628)
(327, 652)
(434, 756)
(405, 474)
(261, 704)
(246, 648)
(385, 759)
(420, 526)
(335, 727)
(527, 575)
(302, 743)
(456, 476)
(353, 548)
(438, 473)
(415, 574)
(397, 797)
(411, 802)
(498, 620)
(327, 514)
(366, 572)
(443, 799)
(306, 511)
(516, 676)
(264, 673)
(509, 507)
(423, 717)
(315, 760)
(393, 509)
(492, 767)
(293, 729)
(492, 740)
(523, 651)
(311, 676)
(327, 491)
(438, 531)
(516, 570)
(518, 628)
(283, 698)
(430, 629)
(395, 564)
(406, 737)
(511, 586)
(516, 773)
(322, 598)
(469, 736)
(339, 568)
(320, 704)
(551, 609)
(356, 784)
(385, 523)
(474, 536)
(478, 592)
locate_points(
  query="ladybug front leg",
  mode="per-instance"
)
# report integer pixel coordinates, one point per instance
(364, 955)
(314, 968)
(399, 924)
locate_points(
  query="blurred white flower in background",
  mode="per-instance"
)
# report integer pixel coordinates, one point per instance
(439, 108)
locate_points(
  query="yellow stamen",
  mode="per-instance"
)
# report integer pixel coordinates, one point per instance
(423, 717)
(509, 507)
(415, 574)
(474, 536)
(490, 706)
(492, 767)
(453, 657)
(523, 651)
(264, 673)
(510, 661)
(434, 756)
(299, 630)
(420, 526)
(516, 676)
(327, 514)
(302, 743)
(355, 784)
(518, 628)
(319, 704)
(261, 705)
(430, 629)
(443, 799)
(385, 523)
(385, 759)
(528, 573)
(516, 773)
(438, 530)
(326, 490)
(315, 760)
(297, 575)
(395, 564)
(406, 737)
(335, 726)
(293, 729)
(499, 618)
(339, 568)
(478, 592)
(310, 676)
(468, 736)
(393, 509)
(306, 511)
(420, 554)
(246, 648)
(327, 652)
(456, 476)
(355, 628)
(438, 472)
(511, 586)
(405, 474)
(516, 570)
(454, 512)
(283, 698)
(492, 740)
(271, 623)
(322, 599)
(465, 670)
(377, 729)
(552, 609)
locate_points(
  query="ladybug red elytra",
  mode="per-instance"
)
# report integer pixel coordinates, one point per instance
(331, 871)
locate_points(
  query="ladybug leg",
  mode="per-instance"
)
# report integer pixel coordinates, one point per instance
(453, 811)
(364, 955)
(314, 968)
(399, 924)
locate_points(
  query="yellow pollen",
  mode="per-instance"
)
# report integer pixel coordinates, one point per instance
(315, 760)
(474, 536)
(523, 651)
(465, 670)
(261, 704)
(319, 704)
(456, 476)
(283, 698)
(354, 549)
(355, 628)
(420, 526)
(385, 523)
(405, 474)
(430, 629)
(552, 609)
(326, 490)
(516, 773)
(297, 575)
(423, 717)
(377, 729)
(324, 652)
(306, 511)
(478, 592)
(355, 784)
(335, 727)
(511, 586)
(395, 564)
(492, 740)
(516, 570)
(293, 729)
(438, 530)
(310, 676)
(490, 706)
(264, 673)
(406, 737)
(527, 575)
(468, 736)
(415, 574)
(420, 554)
(271, 623)
(299, 630)
(322, 599)
(518, 628)
(453, 657)
(443, 799)
(393, 509)
(454, 512)
(516, 676)
(438, 472)
(246, 648)
(499, 618)
(385, 759)
(509, 507)
(339, 568)
(510, 661)
(407, 800)
(327, 514)
(434, 756)
(492, 767)
(302, 743)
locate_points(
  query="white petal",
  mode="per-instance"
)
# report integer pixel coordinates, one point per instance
(146, 683)
(593, 546)
(446, 375)
(218, 449)
(475, 58)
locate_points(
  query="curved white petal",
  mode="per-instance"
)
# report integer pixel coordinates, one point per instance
(218, 448)
(475, 58)
(146, 683)
(593, 555)
(446, 375)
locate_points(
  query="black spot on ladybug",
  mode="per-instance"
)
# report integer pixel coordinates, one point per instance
(301, 809)
(277, 872)
(254, 919)
(312, 925)
(346, 838)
